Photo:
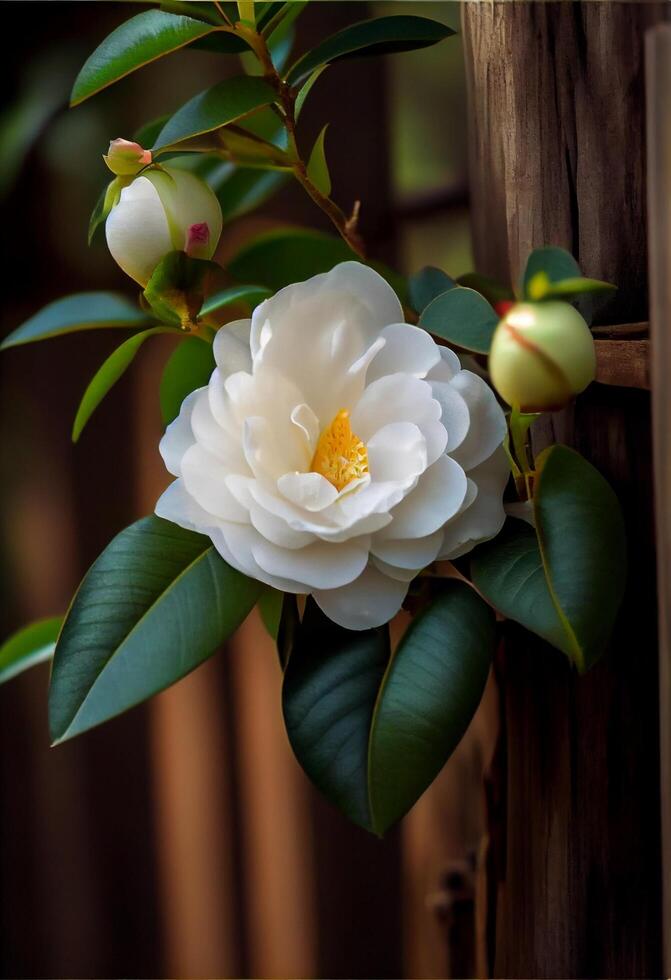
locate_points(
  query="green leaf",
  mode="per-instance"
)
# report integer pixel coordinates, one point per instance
(157, 603)
(305, 90)
(384, 35)
(493, 290)
(108, 374)
(251, 295)
(286, 255)
(178, 287)
(330, 686)
(540, 287)
(566, 581)
(29, 646)
(244, 190)
(270, 608)
(317, 167)
(555, 262)
(429, 694)
(215, 107)
(371, 731)
(147, 134)
(135, 43)
(462, 317)
(190, 366)
(426, 285)
(82, 311)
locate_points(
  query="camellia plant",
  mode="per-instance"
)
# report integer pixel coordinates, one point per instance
(338, 452)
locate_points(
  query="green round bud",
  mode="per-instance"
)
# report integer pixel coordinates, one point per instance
(542, 355)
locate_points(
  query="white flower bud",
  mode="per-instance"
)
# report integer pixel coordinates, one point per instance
(162, 211)
(542, 355)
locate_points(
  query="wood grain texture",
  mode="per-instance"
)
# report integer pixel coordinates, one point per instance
(624, 363)
(557, 157)
(658, 81)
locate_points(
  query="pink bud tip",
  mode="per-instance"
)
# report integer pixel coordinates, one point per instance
(125, 158)
(197, 240)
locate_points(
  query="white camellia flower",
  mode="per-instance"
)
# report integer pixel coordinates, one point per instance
(336, 450)
(159, 212)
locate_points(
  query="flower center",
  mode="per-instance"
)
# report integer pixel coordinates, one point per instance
(340, 455)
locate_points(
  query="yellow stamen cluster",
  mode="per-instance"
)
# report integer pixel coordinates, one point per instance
(340, 456)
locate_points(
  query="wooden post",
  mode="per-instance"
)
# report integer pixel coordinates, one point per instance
(658, 80)
(557, 157)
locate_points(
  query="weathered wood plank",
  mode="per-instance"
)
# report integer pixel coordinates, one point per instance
(557, 157)
(658, 82)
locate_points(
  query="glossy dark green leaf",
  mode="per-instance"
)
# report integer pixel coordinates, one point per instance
(215, 107)
(157, 603)
(287, 255)
(109, 373)
(244, 190)
(383, 35)
(251, 296)
(190, 366)
(428, 696)
(29, 646)
(317, 167)
(82, 311)
(270, 610)
(426, 285)
(371, 731)
(306, 88)
(135, 43)
(330, 686)
(566, 581)
(462, 317)
(288, 629)
(509, 572)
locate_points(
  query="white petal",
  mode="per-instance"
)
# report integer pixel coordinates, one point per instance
(215, 439)
(178, 437)
(394, 398)
(413, 553)
(393, 571)
(306, 420)
(231, 347)
(455, 415)
(484, 518)
(370, 600)
(319, 565)
(314, 332)
(408, 349)
(488, 423)
(137, 231)
(447, 367)
(397, 452)
(235, 543)
(437, 497)
(273, 447)
(177, 505)
(205, 479)
(311, 491)
(277, 531)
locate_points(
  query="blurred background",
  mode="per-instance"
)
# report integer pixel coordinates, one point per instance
(182, 840)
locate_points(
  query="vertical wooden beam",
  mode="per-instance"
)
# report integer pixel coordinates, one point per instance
(557, 157)
(658, 81)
